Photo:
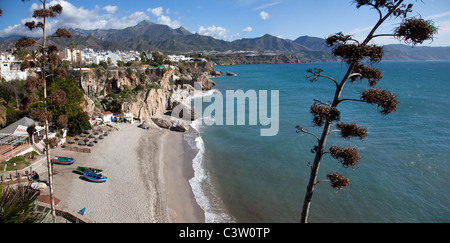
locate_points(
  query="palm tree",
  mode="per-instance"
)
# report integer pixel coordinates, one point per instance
(18, 206)
(71, 48)
(34, 55)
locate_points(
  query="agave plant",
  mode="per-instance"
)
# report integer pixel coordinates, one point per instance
(18, 206)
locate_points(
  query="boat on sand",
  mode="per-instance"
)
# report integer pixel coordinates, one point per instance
(88, 169)
(62, 160)
(95, 177)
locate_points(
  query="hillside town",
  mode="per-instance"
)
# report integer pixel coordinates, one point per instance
(11, 60)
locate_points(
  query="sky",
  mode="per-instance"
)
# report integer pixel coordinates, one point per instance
(225, 19)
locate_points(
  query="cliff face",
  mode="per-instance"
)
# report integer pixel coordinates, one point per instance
(238, 59)
(144, 93)
(153, 102)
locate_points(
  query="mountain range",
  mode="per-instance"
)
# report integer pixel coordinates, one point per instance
(150, 36)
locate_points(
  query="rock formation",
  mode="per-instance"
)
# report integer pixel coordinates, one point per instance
(230, 73)
(148, 95)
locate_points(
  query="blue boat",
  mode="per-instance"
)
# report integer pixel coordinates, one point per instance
(63, 160)
(95, 177)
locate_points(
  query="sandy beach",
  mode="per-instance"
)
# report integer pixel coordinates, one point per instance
(148, 179)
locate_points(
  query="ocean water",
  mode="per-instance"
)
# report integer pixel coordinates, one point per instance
(403, 175)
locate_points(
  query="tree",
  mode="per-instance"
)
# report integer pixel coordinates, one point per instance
(48, 55)
(17, 206)
(71, 48)
(358, 56)
(31, 130)
(2, 114)
(78, 123)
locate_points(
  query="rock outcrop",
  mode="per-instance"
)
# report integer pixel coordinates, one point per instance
(147, 103)
(148, 96)
(202, 78)
(230, 73)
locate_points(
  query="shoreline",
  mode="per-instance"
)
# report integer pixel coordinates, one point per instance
(148, 179)
(182, 202)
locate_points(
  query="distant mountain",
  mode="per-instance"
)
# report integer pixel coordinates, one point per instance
(394, 52)
(147, 35)
(313, 43)
(150, 36)
(269, 43)
(416, 53)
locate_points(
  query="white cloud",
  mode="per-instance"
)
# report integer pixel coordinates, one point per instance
(127, 21)
(77, 17)
(213, 31)
(111, 9)
(155, 11)
(248, 29)
(439, 15)
(360, 30)
(267, 5)
(167, 21)
(264, 15)
(233, 37)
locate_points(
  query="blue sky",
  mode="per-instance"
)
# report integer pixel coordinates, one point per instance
(228, 20)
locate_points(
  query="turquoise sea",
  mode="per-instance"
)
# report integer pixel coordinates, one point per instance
(403, 175)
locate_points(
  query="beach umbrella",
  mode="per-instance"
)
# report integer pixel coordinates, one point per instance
(77, 137)
(86, 140)
(92, 136)
(95, 141)
(71, 141)
(81, 143)
(91, 144)
(100, 137)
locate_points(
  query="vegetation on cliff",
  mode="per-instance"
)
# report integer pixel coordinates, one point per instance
(241, 58)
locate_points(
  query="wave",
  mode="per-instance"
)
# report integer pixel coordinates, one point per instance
(201, 184)
(203, 94)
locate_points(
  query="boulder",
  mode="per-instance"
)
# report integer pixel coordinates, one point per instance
(162, 122)
(150, 125)
(215, 73)
(179, 109)
(207, 83)
(180, 126)
(230, 74)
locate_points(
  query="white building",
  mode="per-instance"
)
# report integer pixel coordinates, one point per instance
(107, 116)
(97, 58)
(89, 56)
(114, 56)
(6, 71)
(180, 58)
(75, 55)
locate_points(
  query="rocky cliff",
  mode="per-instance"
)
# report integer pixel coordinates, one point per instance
(239, 59)
(145, 92)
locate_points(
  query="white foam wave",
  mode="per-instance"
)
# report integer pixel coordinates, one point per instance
(203, 94)
(201, 185)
